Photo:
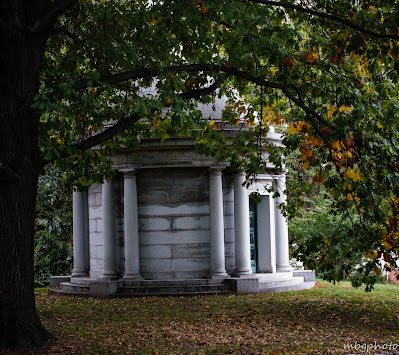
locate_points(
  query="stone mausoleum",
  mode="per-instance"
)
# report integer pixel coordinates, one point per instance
(175, 222)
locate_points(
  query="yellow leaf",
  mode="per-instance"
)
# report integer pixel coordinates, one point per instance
(379, 125)
(349, 197)
(371, 254)
(314, 141)
(373, 8)
(354, 175)
(337, 145)
(330, 111)
(311, 56)
(298, 127)
(326, 240)
(387, 245)
(289, 62)
(344, 109)
(347, 186)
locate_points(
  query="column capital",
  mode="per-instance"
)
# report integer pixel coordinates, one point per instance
(282, 175)
(216, 169)
(128, 173)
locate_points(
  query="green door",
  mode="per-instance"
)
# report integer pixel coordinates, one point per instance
(253, 236)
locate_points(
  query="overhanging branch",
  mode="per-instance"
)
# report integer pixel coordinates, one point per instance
(141, 73)
(128, 121)
(64, 30)
(325, 16)
(283, 88)
(56, 9)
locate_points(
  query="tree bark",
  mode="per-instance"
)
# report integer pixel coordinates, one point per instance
(20, 164)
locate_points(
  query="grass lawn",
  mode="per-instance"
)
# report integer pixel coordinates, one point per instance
(321, 320)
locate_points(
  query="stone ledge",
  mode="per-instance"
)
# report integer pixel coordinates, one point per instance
(104, 288)
(55, 281)
(308, 275)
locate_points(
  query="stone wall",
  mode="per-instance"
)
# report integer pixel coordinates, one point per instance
(173, 206)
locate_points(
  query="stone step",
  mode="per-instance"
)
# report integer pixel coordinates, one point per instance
(296, 283)
(72, 287)
(277, 276)
(59, 292)
(82, 280)
(180, 282)
(180, 294)
(172, 289)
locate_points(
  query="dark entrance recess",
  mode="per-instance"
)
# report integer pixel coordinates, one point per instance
(253, 234)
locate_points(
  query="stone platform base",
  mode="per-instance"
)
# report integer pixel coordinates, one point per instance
(257, 283)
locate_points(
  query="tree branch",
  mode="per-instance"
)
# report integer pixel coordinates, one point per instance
(56, 9)
(326, 16)
(66, 32)
(189, 68)
(282, 87)
(142, 73)
(128, 121)
(196, 94)
(110, 132)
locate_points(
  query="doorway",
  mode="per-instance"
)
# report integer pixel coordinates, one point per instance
(253, 235)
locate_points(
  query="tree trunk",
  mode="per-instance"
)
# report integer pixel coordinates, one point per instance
(20, 164)
(20, 327)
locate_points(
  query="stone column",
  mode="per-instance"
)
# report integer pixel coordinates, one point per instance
(87, 228)
(79, 235)
(218, 268)
(131, 226)
(241, 226)
(266, 235)
(108, 204)
(281, 227)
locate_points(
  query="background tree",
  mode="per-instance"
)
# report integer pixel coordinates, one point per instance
(70, 69)
(53, 228)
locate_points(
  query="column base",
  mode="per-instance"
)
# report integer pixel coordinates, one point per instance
(242, 273)
(284, 268)
(79, 273)
(267, 270)
(222, 275)
(109, 276)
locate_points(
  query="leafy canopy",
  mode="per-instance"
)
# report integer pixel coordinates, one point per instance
(325, 71)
